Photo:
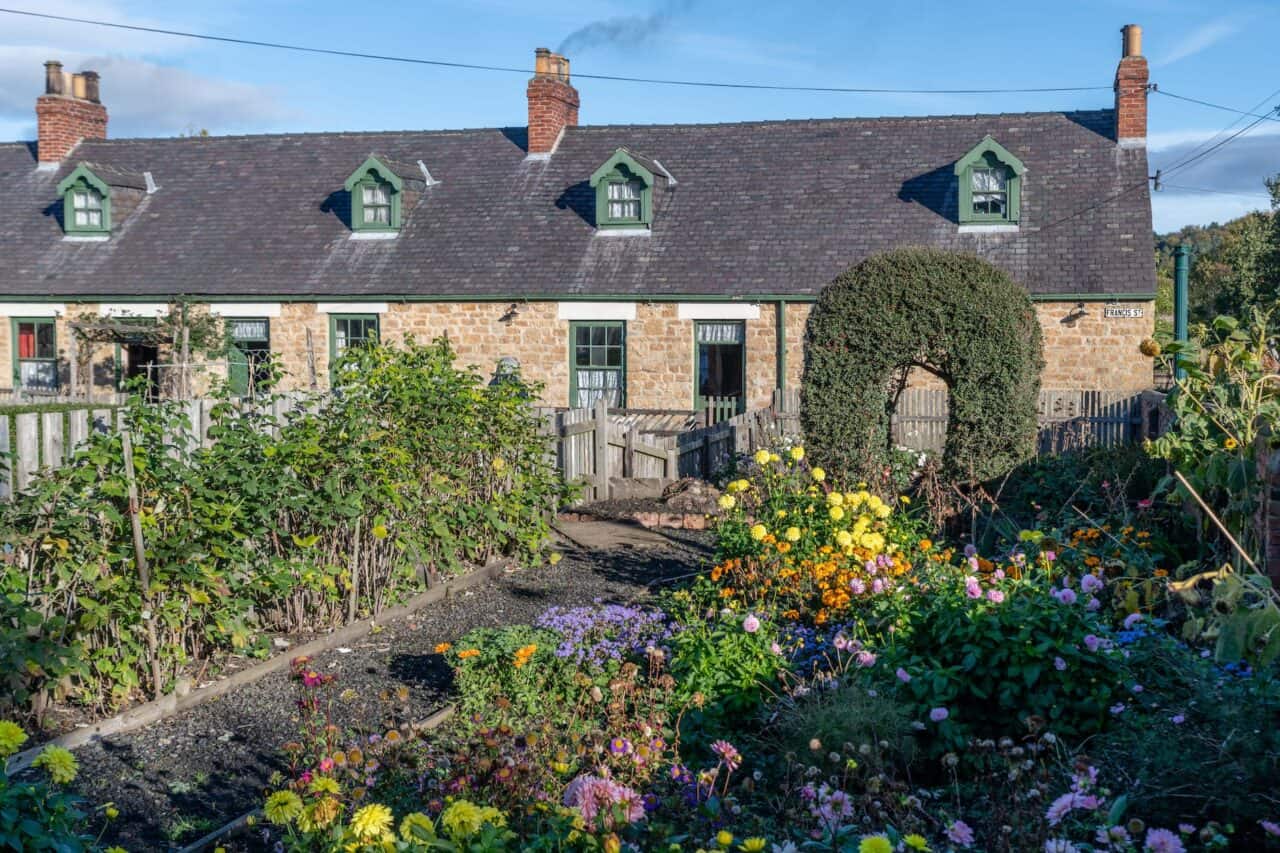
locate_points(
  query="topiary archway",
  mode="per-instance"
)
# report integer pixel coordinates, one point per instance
(952, 314)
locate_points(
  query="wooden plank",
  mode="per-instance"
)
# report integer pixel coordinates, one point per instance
(52, 440)
(629, 454)
(77, 429)
(602, 450)
(6, 464)
(28, 450)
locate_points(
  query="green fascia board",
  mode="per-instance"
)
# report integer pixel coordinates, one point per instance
(523, 298)
(988, 145)
(622, 157)
(83, 173)
(373, 164)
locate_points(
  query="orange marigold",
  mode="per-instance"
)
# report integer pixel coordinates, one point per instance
(468, 653)
(441, 648)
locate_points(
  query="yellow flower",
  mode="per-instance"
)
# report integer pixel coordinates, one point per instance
(417, 827)
(875, 844)
(115, 850)
(872, 542)
(727, 501)
(752, 845)
(819, 475)
(612, 844)
(724, 838)
(836, 513)
(499, 464)
(782, 513)
(59, 763)
(463, 819)
(906, 501)
(882, 511)
(759, 531)
(371, 821)
(835, 499)
(916, 842)
(325, 785)
(797, 453)
(12, 737)
(1230, 443)
(555, 557)
(761, 457)
(793, 534)
(844, 539)
(379, 531)
(282, 807)
(773, 457)
(111, 811)
(321, 813)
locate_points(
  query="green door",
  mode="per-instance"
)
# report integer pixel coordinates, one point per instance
(238, 371)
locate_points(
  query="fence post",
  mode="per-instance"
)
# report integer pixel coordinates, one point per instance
(28, 426)
(51, 441)
(140, 561)
(629, 454)
(672, 469)
(602, 449)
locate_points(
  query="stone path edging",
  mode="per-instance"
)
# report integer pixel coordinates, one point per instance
(171, 704)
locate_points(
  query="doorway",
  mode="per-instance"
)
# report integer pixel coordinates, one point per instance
(721, 367)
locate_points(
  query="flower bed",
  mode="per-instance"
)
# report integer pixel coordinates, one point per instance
(834, 680)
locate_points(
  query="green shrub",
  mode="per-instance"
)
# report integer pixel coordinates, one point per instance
(952, 314)
(39, 813)
(412, 469)
(513, 667)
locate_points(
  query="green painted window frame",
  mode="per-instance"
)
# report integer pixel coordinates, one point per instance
(83, 180)
(373, 172)
(620, 369)
(622, 168)
(37, 322)
(334, 319)
(989, 154)
(699, 401)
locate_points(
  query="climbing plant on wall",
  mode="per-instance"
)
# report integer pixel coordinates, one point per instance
(953, 315)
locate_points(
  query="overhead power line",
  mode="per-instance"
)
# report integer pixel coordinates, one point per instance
(841, 90)
(1252, 113)
(1217, 192)
(1187, 161)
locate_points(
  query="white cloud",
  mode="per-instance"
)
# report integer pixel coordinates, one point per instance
(1170, 211)
(1199, 39)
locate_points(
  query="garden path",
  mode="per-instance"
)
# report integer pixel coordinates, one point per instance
(177, 779)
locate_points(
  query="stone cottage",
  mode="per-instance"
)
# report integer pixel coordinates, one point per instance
(657, 266)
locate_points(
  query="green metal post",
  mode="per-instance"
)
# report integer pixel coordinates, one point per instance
(780, 348)
(1180, 275)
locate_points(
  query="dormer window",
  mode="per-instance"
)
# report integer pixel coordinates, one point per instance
(990, 185)
(376, 192)
(624, 192)
(86, 203)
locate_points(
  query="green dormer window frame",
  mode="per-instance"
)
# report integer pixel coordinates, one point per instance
(86, 203)
(375, 197)
(990, 180)
(624, 192)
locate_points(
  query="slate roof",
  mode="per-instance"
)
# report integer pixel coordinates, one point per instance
(761, 208)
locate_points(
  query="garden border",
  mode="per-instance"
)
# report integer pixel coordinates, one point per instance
(172, 704)
(238, 825)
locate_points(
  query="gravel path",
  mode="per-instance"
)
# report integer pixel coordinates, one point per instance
(184, 776)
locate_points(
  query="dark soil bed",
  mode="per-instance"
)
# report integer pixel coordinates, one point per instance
(178, 779)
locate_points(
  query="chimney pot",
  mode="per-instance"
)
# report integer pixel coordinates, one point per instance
(91, 87)
(77, 86)
(1132, 40)
(53, 77)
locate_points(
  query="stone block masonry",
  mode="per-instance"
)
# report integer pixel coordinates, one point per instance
(1082, 351)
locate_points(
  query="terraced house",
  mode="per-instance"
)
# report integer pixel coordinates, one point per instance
(656, 266)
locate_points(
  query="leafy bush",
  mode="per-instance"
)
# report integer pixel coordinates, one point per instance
(411, 469)
(955, 315)
(40, 814)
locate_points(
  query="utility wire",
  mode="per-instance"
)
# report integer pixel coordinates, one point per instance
(1252, 113)
(1218, 192)
(511, 70)
(1187, 161)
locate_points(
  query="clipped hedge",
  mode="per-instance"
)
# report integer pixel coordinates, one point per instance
(952, 314)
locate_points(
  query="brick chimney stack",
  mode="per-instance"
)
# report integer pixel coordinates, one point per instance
(68, 111)
(553, 102)
(1131, 90)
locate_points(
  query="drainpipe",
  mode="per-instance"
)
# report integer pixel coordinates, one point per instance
(780, 340)
(1180, 274)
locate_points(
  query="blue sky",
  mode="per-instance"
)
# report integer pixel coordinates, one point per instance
(159, 85)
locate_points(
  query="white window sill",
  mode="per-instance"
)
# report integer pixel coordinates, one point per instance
(623, 232)
(989, 228)
(86, 238)
(374, 235)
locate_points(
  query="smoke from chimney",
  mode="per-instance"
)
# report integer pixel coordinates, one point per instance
(628, 30)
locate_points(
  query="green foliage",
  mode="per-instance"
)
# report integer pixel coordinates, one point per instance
(995, 666)
(851, 713)
(39, 813)
(953, 315)
(723, 668)
(511, 667)
(412, 469)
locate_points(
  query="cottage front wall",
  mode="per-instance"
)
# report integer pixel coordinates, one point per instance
(1087, 350)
